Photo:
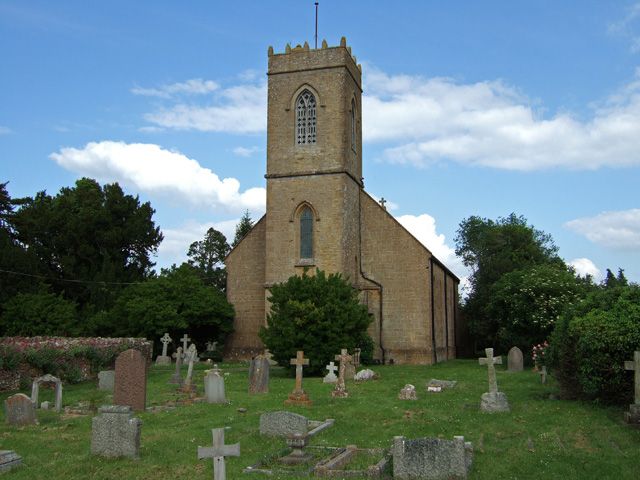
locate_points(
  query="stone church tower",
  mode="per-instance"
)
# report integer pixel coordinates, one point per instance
(319, 216)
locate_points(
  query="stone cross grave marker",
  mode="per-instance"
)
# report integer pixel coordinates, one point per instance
(164, 359)
(490, 361)
(298, 396)
(493, 400)
(340, 390)
(191, 356)
(19, 410)
(633, 415)
(214, 386)
(35, 390)
(218, 452)
(259, 375)
(331, 376)
(211, 346)
(131, 380)
(176, 378)
(515, 360)
(185, 342)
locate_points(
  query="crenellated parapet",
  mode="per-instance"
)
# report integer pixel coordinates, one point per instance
(304, 48)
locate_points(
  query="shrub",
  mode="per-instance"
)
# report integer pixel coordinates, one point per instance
(30, 314)
(319, 314)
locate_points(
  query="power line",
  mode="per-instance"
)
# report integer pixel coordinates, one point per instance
(94, 282)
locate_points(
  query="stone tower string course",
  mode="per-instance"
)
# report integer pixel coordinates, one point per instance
(319, 216)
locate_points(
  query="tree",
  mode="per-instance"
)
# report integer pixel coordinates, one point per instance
(319, 314)
(31, 314)
(208, 255)
(492, 249)
(244, 226)
(611, 281)
(88, 239)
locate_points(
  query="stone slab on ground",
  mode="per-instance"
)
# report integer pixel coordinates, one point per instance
(492, 402)
(443, 384)
(431, 458)
(115, 432)
(283, 423)
(9, 460)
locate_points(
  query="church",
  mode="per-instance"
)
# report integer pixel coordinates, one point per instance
(319, 215)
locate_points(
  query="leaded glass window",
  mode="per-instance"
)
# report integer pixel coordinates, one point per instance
(306, 233)
(306, 118)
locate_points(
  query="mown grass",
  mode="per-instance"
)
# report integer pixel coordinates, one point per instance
(540, 438)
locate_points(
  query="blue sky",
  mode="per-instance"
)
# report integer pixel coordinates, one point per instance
(470, 108)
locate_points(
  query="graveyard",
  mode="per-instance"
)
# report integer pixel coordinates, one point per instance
(540, 437)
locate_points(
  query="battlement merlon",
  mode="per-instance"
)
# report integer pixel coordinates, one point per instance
(303, 58)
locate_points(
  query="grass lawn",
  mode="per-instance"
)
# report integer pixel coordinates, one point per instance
(540, 438)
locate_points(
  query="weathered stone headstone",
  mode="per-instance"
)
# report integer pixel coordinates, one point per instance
(9, 460)
(164, 359)
(106, 380)
(19, 410)
(299, 396)
(176, 378)
(633, 415)
(259, 375)
(188, 385)
(515, 360)
(340, 391)
(131, 380)
(214, 386)
(331, 376)
(443, 384)
(431, 458)
(218, 452)
(356, 358)
(364, 375)
(45, 405)
(48, 378)
(493, 400)
(543, 374)
(283, 424)
(115, 432)
(350, 369)
(408, 393)
(211, 346)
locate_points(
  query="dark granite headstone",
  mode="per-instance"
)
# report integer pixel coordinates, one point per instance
(131, 380)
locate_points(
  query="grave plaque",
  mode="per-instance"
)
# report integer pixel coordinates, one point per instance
(131, 380)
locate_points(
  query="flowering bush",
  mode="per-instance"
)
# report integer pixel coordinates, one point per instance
(539, 354)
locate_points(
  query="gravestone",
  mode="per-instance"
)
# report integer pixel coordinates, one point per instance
(364, 375)
(214, 386)
(493, 400)
(340, 391)
(9, 460)
(408, 393)
(115, 432)
(164, 359)
(106, 380)
(633, 415)
(48, 378)
(131, 380)
(350, 369)
(443, 384)
(283, 424)
(211, 346)
(185, 344)
(515, 360)
(331, 376)
(356, 358)
(188, 386)
(259, 375)
(299, 396)
(431, 458)
(176, 378)
(45, 405)
(543, 374)
(218, 452)
(19, 410)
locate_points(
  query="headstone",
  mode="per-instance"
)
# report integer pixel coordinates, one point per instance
(633, 415)
(299, 396)
(214, 386)
(408, 393)
(218, 452)
(188, 386)
(283, 424)
(19, 410)
(185, 344)
(331, 376)
(115, 432)
(356, 358)
(493, 400)
(196, 357)
(259, 375)
(364, 375)
(340, 391)
(211, 346)
(131, 380)
(431, 458)
(543, 374)
(45, 405)
(176, 378)
(515, 360)
(164, 359)
(443, 384)
(106, 380)
(48, 378)
(9, 460)
(350, 369)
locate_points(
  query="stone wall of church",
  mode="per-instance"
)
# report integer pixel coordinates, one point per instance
(439, 312)
(245, 290)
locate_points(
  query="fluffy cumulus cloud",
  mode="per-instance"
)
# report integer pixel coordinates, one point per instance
(420, 121)
(195, 86)
(616, 229)
(584, 267)
(154, 170)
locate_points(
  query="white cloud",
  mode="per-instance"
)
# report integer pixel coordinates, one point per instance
(195, 86)
(238, 109)
(616, 229)
(389, 205)
(428, 120)
(5, 130)
(584, 267)
(628, 27)
(154, 170)
(245, 152)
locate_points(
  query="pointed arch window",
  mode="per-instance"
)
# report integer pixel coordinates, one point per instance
(306, 233)
(306, 118)
(353, 125)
